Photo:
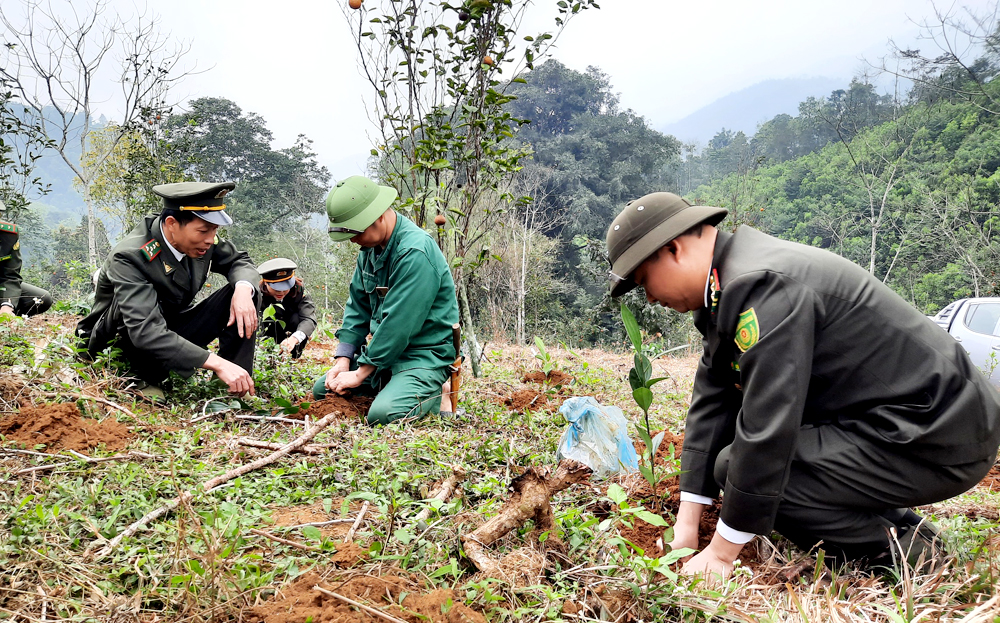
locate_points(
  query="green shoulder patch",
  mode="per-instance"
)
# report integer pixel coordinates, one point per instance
(747, 330)
(151, 249)
(10, 228)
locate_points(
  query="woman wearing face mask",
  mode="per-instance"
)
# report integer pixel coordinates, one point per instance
(294, 313)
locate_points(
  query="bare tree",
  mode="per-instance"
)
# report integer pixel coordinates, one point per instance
(59, 56)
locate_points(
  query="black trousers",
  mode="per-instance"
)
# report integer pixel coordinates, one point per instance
(845, 491)
(200, 325)
(33, 300)
(274, 330)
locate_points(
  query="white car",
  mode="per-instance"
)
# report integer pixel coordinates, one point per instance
(976, 324)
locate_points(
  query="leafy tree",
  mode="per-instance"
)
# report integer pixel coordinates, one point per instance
(21, 144)
(440, 105)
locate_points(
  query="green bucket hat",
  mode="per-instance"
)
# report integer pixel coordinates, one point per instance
(354, 204)
(644, 226)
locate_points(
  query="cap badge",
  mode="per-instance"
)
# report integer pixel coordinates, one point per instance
(282, 273)
(222, 193)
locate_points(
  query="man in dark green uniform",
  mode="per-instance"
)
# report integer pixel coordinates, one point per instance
(294, 312)
(403, 295)
(16, 297)
(148, 283)
(824, 405)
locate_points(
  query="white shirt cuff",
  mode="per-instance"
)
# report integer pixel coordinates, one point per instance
(697, 499)
(300, 336)
(733, 536)
(244, 281)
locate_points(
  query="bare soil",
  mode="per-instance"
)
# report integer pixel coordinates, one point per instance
(992, 481)
(524, 399)
(60, 427)
(286, 516)
(554, 377)
(299, 603)
(353, 407)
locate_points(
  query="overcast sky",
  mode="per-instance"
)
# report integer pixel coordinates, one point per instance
(292, 61)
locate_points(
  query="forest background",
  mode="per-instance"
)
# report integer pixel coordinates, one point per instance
(904, 183)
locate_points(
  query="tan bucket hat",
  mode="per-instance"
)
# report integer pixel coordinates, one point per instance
(647, 224)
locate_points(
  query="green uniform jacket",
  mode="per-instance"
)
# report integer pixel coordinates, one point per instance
(825, 343)
(10, 264)
(405, 298)
(142, 286)
(297, 301)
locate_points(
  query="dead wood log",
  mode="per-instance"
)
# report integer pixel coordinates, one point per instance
(532, 491)
(215, 482)
(357, 523)
(443, 492)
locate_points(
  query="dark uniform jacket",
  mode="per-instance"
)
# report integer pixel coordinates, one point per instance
(297, 301)
(803, 337)
(142, 287)
(404, 297)
(10, 264)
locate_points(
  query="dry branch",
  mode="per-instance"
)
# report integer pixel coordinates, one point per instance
(268, 445)
(357, 523)
(530, 500)
(287, 542)
(443, 492)
(368, 609)
(218, 480)
(86, 459)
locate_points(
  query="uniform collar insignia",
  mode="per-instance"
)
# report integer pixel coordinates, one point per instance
(151, 249)
(715, 289)
(167, 268)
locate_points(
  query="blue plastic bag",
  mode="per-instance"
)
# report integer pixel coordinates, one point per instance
(597, 436)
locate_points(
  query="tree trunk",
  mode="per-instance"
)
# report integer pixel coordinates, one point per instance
(468, 330)
(91, 231)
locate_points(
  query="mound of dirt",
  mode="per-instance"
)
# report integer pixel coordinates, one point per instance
(299, 603)
(353, 407)
(61, 427)
(554, 377)
(349, 555)
(525, 399)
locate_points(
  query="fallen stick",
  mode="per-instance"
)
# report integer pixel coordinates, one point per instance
(443, 492)
(269, 418)
(85, 459)
(357, 523)
(218, 480)
(268, 445)
(530, 500)
(368, 609)
(287, 542)
(319, 524)
(103, 401)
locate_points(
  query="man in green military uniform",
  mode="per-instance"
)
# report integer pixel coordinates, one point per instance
(403, 295)
(294, 312)
(148, 283)
(824, 405)
(16, 297)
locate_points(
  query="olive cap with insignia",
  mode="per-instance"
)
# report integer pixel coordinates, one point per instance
(644, 226)
(354, 204)
(278, 273)
(206, 200)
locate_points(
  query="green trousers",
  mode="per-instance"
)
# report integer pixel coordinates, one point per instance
(409, 393)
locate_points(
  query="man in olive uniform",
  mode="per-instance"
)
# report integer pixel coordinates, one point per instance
(148, 283)
(403, 295)
(824, 405)
(16, 297)
(294, 313)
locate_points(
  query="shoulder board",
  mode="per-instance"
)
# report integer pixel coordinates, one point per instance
(151, 249)
(10, 228)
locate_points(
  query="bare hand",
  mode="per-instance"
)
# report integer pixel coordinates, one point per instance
(288, 344)
(708, 565)
(236, 378)
(346, 381)
(242, 311)
(343, 365)
(7, 313)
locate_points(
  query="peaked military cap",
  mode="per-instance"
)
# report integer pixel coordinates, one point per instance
(278, 273)
(645, 225)
(354, 204)
(206, 200)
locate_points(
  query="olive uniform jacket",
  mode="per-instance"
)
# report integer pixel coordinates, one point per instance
(297, 301)
(404, 297)
(142, 287)
(797, 336)
(10, 264)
